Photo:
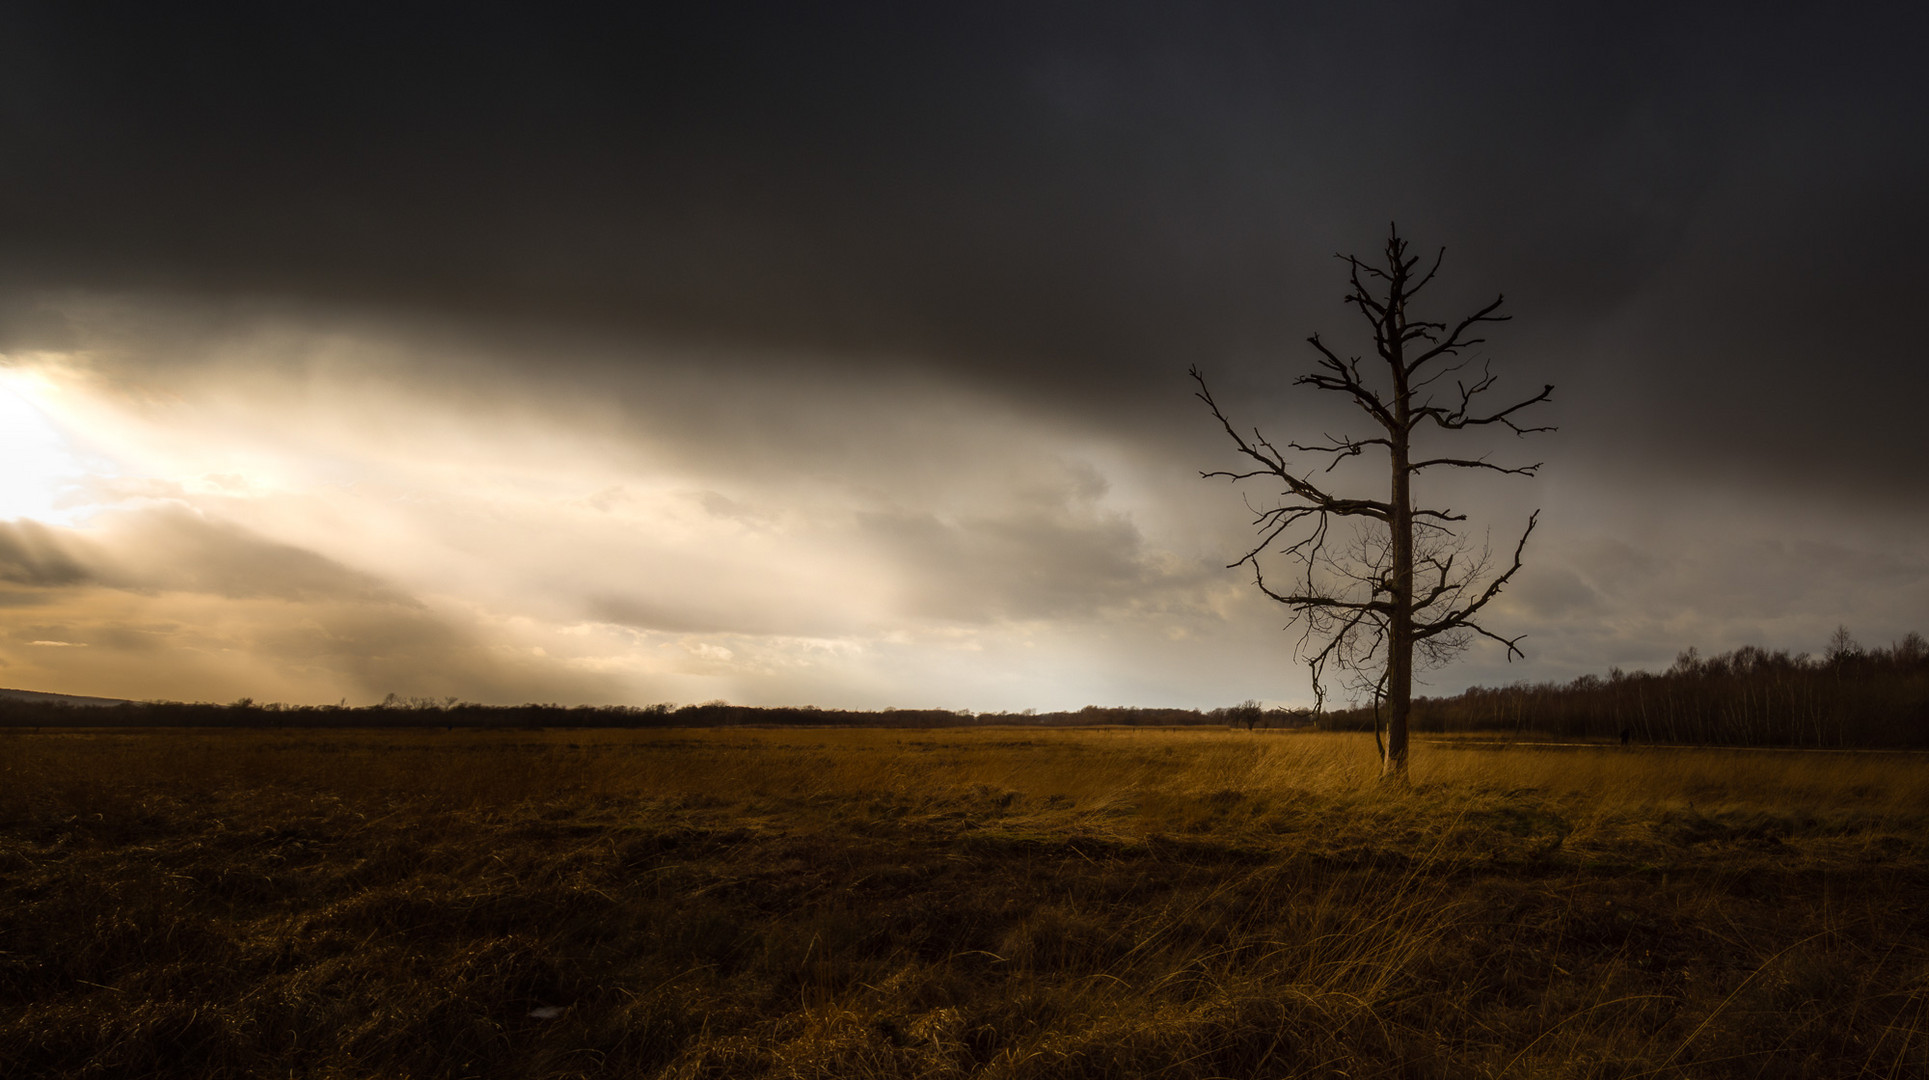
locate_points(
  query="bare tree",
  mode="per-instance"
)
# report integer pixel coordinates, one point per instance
(1842, 646)
(1405, 581)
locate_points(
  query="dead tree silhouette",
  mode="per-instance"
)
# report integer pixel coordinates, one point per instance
(1406, 580)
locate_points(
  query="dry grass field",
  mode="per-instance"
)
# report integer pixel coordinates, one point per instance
(983, 902)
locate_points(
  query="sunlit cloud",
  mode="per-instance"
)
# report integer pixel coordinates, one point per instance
(911, 545)
(308, 508)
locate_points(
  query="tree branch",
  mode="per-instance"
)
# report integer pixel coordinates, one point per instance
(1272, 464)
(1453, 343)
(1347, 381)
(1458, 417)
(1475, 463)
(1340, 448)
(1463, 617)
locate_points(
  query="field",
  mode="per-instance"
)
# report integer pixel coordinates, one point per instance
(984, 902)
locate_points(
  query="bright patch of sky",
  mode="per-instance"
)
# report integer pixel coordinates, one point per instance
(45, 475)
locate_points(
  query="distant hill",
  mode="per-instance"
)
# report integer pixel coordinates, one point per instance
(38, 698)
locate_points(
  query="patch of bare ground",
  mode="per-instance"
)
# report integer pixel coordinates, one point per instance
(983, 903)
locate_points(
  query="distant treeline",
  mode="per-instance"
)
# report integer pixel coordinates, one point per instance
(1849, 696)
(1750, 697)
(431, 713)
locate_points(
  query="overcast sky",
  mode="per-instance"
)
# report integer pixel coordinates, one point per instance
(837, 354)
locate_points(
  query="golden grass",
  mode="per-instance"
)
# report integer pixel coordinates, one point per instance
(957, 903)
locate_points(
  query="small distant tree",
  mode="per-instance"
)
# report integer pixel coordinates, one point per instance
(1842, 646)
(1247, 714)
(1911, 650)
(1406, 581)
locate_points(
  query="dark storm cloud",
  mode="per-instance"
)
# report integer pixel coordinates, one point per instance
(1082, 185)
(1056, 192)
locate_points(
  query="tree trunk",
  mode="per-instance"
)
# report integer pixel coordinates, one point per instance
(1399, 675)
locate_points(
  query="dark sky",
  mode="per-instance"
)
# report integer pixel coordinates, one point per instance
(845, 242)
